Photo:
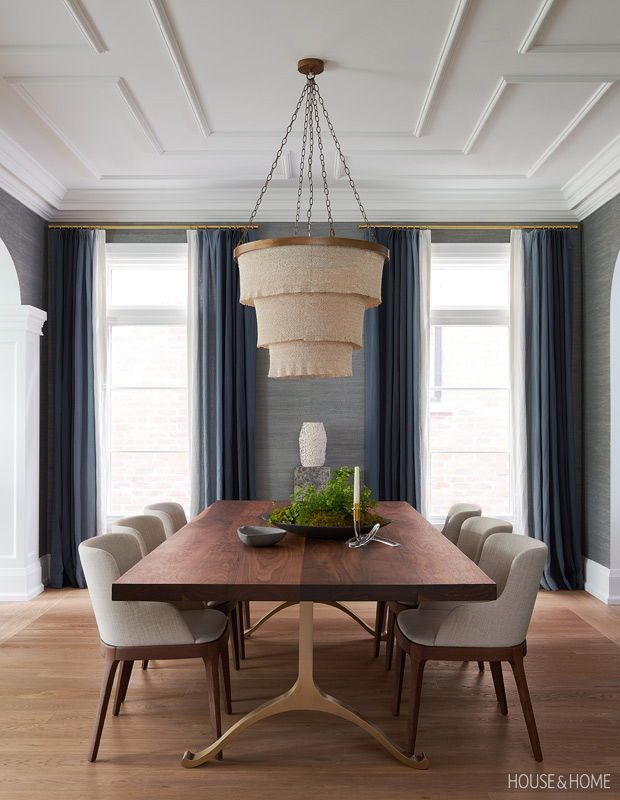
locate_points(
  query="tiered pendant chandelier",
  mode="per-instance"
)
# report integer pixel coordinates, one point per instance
(310, 292)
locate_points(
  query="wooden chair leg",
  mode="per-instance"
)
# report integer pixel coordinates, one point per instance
(107, 681)
(246, 613)
(121, 687)
(379, 623)
(417, 674)
(213, 684)
(389, 641)
(526, 704)
(498, 682)
(145, 663)
(241, 633)
(481, 666)
(399, 674)
(225, 671)
(234, 635)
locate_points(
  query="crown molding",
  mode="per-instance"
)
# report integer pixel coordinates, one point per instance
(26, 180)
(394, 204)
(445, 54)
(595, 183)
(170, 37)
(86, 25)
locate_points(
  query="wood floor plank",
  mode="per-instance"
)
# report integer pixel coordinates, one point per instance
(51, 669)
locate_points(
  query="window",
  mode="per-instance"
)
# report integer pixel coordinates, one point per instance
(469, 382)
(148, 440)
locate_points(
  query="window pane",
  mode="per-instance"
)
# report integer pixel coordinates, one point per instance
(149, 419)
(148, 355)
(131, 286)
(469, 355)
(470, 288)
(470, 419)
(482, 478)
(137, 479)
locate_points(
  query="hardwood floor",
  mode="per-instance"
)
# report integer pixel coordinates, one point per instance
(51, 668)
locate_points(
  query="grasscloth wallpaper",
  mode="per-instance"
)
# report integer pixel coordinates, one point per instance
(600, 242)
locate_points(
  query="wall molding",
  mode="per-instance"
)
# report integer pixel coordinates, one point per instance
(170, 37)
(27, 180)
(602, 582)
(445, 54)
(85, 23)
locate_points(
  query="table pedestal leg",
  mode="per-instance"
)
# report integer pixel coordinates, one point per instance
(281, 606)
(304, 695)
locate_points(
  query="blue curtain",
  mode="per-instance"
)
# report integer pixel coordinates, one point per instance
(72, 411)
(550, 261)
(225, 365)
(392, 366)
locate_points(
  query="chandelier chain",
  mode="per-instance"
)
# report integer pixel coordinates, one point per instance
(311, 87)
(319, 140)
(345, 166)
(302, 164)
(275, 162)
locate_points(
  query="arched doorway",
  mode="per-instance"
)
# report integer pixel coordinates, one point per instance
(614, 376)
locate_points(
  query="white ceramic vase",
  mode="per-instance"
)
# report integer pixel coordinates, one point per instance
(312, 444)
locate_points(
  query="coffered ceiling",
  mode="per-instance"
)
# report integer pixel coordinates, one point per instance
(446, 109)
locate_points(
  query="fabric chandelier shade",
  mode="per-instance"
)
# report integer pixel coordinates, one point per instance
(310, 295)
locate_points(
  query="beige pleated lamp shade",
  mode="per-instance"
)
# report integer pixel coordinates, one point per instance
(310, 295)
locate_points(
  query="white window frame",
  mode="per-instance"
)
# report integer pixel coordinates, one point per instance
(444, 317)
(155, 257)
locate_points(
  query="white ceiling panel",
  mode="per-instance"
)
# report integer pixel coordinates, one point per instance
(164, 108)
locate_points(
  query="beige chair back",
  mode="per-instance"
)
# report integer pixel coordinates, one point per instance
(516, 564)
(148, 530)
(456, 516)
(474, 533)
(124, 623)
(172, 516)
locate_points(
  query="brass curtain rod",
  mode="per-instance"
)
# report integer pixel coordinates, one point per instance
(157, 227)
(473, 227)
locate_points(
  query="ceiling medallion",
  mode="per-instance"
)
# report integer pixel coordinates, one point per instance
(310, 292)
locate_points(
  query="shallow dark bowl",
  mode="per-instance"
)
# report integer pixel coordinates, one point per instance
(260, 537)
(322, 531)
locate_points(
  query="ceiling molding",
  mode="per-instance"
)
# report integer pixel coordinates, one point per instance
(528, 45)
(27, 180)
(42, 49)
(19, 85)
(390, 204)
(596, 182)
(445, 54)
(20, 82)
(85, 23)
(166, 28)
(585, 109)
(509, 80)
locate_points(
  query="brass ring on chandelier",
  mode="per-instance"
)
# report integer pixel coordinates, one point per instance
(309, 66)
(326, 241)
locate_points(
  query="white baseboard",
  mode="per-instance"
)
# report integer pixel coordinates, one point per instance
(602, 582)
(20, 583)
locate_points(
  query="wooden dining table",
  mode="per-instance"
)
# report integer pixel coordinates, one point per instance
(205, 560)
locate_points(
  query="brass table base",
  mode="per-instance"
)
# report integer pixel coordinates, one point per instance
(281, 606)
(304, 695)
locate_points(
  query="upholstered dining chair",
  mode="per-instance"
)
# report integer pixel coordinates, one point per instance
(133, 631)
(457, 514)
(173, 519)
(149, 530)
(171, 514)
(492, 631)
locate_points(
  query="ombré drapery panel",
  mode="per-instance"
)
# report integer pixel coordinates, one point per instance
(550, 261)
(73, 499)
(222, 363)
(396, 370)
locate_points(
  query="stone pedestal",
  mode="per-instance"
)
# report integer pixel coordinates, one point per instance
(313, 476)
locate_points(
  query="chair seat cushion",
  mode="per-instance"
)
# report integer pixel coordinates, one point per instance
(206, 625)
(422, 626)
